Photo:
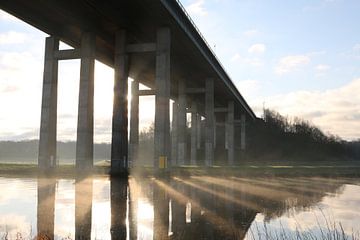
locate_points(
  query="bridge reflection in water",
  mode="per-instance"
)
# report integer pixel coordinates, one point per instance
(177, 208)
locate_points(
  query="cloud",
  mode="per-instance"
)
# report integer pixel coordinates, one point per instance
(251, 33)
(322, 67)
(252, 61)
(258, 48)
(12, 37)
(4, 16)
(291, 63)
(247, 87)
(356, 47)
(336, 110)
(197, 8)
(9, 89)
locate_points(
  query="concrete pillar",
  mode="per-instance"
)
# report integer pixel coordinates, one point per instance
(181, 123)
(194, 129)
(119, 142)
(230, 130)
(47, 142)
(198, 131)
(209, 124)
(134, 122)
(215, 137)
(174, 134)
(85, 128)
(162, 96)
(243, 132)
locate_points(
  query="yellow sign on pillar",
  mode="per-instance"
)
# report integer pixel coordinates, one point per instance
(162, 162)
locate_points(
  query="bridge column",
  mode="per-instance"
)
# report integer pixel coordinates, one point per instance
(47, 142)
(209, 122)
(119, 142)
(198, 131)
(194, 129)
(162, 96)
(85, 128)
(230, 130)
(243, 132)
(134, 122)
(182, 123)
(174, 134)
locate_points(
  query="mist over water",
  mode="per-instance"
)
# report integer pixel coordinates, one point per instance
(198, 207)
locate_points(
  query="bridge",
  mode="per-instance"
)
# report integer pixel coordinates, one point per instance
(155, 43)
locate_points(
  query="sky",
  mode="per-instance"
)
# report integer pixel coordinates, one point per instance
(300, 58)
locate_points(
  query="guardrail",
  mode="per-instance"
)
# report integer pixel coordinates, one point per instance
(200, 34)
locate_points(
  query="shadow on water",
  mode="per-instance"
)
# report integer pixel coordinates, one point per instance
(201, 207)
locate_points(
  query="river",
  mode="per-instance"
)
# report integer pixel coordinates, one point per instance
(198, 207)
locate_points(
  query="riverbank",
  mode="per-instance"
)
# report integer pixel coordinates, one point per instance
(345, 169)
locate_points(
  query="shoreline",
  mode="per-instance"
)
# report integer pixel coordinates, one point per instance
(253, 170)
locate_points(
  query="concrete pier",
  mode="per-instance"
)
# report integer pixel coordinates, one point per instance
(119, 143)
(194, 129)
(209, 122)
(182, 151)
(174, 134)
(47, 142)
(162, 97)
(85, 128)
(243, 132)
(230, 131)
(198, 131)
(134, 123)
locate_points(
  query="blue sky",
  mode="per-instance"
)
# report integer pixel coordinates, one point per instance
(301, 58)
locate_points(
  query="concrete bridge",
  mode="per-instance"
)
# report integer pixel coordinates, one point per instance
(155, 43)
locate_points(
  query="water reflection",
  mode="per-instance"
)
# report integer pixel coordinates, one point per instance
(119, 195)
(83, 207)
(202, 207)
(46, 207)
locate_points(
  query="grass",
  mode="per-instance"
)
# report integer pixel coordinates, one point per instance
(340, 169)
(331, 231)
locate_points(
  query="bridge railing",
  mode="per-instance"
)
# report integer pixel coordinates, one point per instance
(200, 34)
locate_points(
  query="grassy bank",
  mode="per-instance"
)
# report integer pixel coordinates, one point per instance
(348, 169)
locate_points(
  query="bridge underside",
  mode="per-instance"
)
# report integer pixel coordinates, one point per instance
(156, 44)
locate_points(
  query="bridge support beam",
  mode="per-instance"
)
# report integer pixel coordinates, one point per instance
(209, 122)
(162, 97)
(85, 128)
(194, 129)
(243, 132)
(230, 130)
(119, 143)
(174, 134)
(47, 142)
(134, 122)
(181, 123)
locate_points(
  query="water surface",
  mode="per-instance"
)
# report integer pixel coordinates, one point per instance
(201, 207)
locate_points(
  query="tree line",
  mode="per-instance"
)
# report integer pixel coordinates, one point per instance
(278, 137)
